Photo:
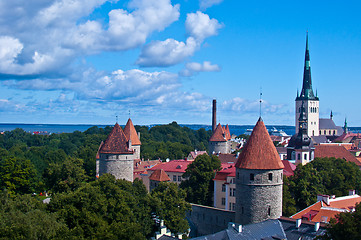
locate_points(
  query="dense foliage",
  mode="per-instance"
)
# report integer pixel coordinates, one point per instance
(345, 226)
(103, 209)
(200, 174)
(62, 162)
(321, 176)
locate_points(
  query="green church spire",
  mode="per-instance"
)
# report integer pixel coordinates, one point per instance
(307, 92)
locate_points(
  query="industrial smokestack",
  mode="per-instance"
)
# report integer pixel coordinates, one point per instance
(214, 115)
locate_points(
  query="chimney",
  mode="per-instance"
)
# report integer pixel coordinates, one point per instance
(235, 226)
(326, 199)
(214, 115)
(351, 192)
(298, 222)
(317, 226)
(319, 197)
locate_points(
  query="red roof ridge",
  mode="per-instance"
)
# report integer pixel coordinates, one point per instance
(131, 133)
(218, 135)
(259, 152)
(116, 142)
(159, 175)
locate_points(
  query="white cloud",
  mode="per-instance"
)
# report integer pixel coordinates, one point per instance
(241, 105)
(170, 52)
(166, 53)
(193, 68)
(200, 26)
(48, 36)
(204, 4)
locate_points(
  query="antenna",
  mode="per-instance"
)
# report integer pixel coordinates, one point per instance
(116, 118)
(129, 113)
(260, 102)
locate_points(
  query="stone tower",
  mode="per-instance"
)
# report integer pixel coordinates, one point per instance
(219, 141)
(311, 102)
(133, 137)
(116, 156)
(300, 148)
(259, 173)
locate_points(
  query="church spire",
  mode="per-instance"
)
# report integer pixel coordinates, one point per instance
(307, 92)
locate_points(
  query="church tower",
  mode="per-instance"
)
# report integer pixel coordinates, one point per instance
(259, 179)
(311, 102)
(116, 156)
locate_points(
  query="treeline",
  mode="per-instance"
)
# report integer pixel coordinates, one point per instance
(31, 163)
(102, 209)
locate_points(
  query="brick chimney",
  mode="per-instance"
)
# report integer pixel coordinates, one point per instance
(214, 115)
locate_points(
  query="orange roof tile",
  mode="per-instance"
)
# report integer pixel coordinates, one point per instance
(228, 133)
(259, 152)
(218, 135)
(116, 142)
(131, 133)
(322, 151)
(321, 212)
(159, 175)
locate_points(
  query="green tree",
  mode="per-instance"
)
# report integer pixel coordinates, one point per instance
(172, 206)
(66, 176)
(288, 202)
(199, 174)
(17, 175)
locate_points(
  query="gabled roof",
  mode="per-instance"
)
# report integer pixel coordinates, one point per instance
(173, 166)
(194, 154)
(131, 133)
(322, 151)
(227, 157)
(259, 152)
(159, 175)
(289, 168)
(326, 123)
(228, 170)
(218, 135)
(116, 142)
(323, 212)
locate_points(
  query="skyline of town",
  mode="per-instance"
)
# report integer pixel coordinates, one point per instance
(86, 62)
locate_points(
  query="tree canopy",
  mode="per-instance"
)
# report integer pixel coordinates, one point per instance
(199, 174)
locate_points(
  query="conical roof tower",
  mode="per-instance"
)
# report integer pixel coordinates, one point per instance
(116, 142)
(131, 133)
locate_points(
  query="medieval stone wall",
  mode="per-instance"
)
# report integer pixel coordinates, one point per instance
(218, 147)
(120, 165)
(258, 195)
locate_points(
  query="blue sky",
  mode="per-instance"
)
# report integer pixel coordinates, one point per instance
(87, 61)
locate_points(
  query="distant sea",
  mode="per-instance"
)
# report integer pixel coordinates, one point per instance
(69, 128)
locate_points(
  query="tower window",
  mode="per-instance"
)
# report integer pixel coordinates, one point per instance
(269, 211)
(251, 177)
(242, 210)
(270, 176)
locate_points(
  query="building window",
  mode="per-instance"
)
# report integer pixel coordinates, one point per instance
(270, 176)
(242, 210)
(174, 178)
(232, 192)
(223, 201)
(298, 156)
(251, 177)
(179, 178)
(305, 156)
(269, 211)
(223, 187)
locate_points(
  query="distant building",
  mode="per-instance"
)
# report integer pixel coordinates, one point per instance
(220, 140)
(157, 177)
(328, 207)
(335, 151)
(192, 155)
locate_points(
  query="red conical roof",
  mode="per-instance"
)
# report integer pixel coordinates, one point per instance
(116, 142)
(131, 133)
(159, 175)
(259, 152)
(218, 135)
(228, 133)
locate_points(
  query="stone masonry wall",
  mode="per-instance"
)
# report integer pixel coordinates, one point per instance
(259, 199)
(121, 166)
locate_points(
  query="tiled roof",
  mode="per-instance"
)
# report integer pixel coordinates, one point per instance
(347, 137)
(116, 142)
(289, 168)
(159, 175)
(227, 132)
(259, 152)
(322, 151)
(173, 166)
(142, 166)
(321, 212)
(194, 154)
(131, 133)
(228, 170)
(227, 157)
(326, 123)
(218, 135)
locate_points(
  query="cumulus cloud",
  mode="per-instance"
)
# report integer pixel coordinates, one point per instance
(47, 36)
(170, 52)
(204, 4)
(193, 68)
(200, 26)
(241, 105)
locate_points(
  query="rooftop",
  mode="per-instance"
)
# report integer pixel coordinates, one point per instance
(116, 142)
